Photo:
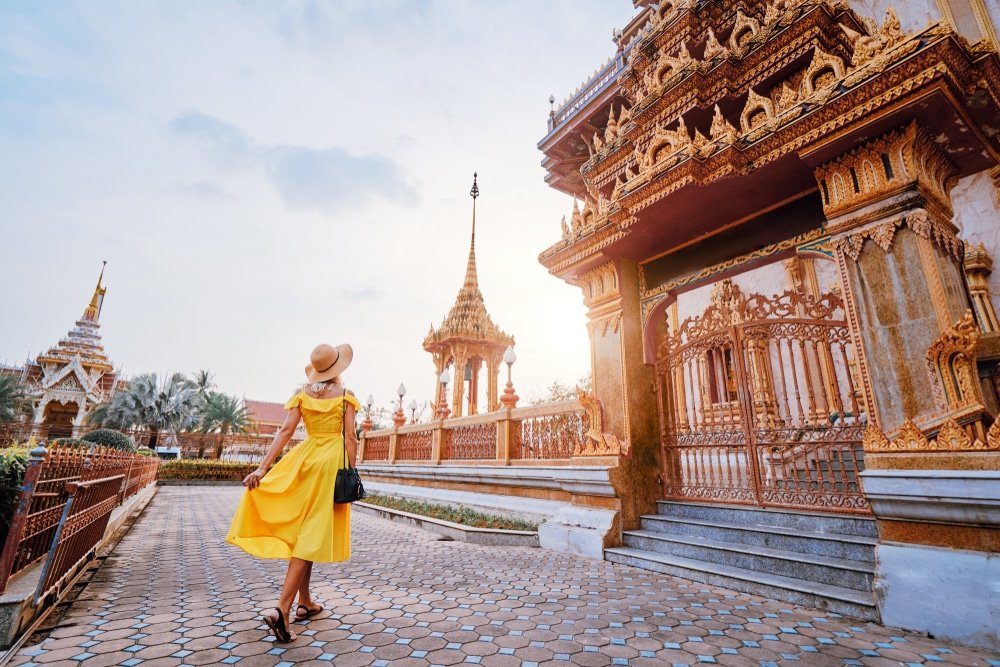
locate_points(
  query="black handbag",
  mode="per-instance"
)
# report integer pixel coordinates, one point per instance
(348, 486)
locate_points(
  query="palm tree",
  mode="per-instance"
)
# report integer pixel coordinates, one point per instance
(170, 405)
(204, 383)
(223, 414)
(14, 404)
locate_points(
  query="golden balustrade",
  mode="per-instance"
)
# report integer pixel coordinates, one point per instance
(560, 431)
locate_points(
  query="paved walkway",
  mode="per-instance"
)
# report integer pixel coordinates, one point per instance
(173, 593)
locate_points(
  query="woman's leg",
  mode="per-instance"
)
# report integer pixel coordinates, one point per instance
(305, 599)
(296, 566)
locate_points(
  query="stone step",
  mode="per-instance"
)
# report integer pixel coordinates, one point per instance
(854, 574)
(818, 522)
(850, 547)
(838, 599)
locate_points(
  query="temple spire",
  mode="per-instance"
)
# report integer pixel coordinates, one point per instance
(471, 278)
(93, 311)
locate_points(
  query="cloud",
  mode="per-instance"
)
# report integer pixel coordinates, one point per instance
(327, 179)
(205, 190)
(333, 178)
(365, 294)
(220, 140)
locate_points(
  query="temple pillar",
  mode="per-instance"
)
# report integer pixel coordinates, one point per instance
(624, 384)
(932, 457)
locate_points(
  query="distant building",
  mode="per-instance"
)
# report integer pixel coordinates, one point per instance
(73, 376)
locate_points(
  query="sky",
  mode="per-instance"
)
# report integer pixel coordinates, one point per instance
(265, 176)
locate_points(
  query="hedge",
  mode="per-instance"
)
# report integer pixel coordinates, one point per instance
(200, 469)
(13, 463)
(107, 437)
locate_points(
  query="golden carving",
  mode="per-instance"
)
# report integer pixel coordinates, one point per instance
(757, 112)
(713, 49)
(597, 441)
(599, 285)
(878, 42)
(898, 160)
(721, 129)
(978, 266)
(951, 360)
(744, 31)
(824, 71)
(951, 437)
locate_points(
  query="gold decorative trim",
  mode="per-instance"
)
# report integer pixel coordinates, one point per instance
(951, 437)
(951, 361)
(884, 233)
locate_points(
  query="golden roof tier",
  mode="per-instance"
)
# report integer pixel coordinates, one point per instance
(468, 337)
(738, 102)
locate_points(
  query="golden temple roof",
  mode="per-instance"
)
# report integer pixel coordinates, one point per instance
(83, 340)
(468, 319)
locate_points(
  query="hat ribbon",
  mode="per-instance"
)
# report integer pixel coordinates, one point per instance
(331, 365)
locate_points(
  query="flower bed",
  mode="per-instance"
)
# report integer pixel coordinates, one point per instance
(207, 470)
(459, 514)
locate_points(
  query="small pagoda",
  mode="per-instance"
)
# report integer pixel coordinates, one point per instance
(73, 376)
(467, 339)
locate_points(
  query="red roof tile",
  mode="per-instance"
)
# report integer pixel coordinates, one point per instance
(264, 412)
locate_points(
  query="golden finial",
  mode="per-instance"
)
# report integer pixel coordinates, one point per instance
(93, 311)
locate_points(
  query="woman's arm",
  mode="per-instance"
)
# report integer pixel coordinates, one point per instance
(281, 439)
(351, 433)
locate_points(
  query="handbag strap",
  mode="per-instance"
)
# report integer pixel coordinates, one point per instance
(343, 427)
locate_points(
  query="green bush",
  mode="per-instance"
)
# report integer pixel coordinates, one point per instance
(145, 451)
(200, 469)
(13, 463)
(107, 437)
(70, 442)
(462, 515)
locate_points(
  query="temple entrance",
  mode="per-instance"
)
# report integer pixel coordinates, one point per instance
(760, 403)
(59, 419)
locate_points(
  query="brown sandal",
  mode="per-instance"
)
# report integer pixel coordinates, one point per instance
(278, 627)
(309, 612)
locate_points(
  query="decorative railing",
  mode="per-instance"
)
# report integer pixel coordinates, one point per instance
(240, 447)
(67, 495)
(602, 79)
(561, 431)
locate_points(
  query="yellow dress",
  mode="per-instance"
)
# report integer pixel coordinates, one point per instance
(292, 513)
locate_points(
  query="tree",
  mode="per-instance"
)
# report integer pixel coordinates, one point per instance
(558, 391)
(170, 405)
(14, 401)
(222, 415)
(204, 383)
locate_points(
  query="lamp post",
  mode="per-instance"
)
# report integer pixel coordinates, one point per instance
(413, 411)
(444, 379)
(399, 417)
(366, 425)
(509, 398)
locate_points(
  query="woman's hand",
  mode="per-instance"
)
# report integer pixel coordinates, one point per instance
(252, 480)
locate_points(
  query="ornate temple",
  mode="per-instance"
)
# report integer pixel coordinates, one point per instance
(789, 212)
(466, 340)
(74, 375)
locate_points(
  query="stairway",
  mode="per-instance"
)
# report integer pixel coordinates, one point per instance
(813, 559)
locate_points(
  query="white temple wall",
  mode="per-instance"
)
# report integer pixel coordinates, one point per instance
(976, 202)
(913, 14)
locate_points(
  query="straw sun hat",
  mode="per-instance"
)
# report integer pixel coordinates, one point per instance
(327, 362)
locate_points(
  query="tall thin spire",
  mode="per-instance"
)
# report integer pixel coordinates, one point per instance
(471, 278)
(93, 311)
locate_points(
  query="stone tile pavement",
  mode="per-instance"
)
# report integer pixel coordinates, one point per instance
(173, 593)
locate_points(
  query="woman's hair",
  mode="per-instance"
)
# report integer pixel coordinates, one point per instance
(320, 387)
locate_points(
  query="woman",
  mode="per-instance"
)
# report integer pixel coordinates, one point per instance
(288, 511)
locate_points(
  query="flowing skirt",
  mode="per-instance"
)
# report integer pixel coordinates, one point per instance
(291, 514)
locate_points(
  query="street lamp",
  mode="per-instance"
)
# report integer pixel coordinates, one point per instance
(413, 411)
(509, 398)
(444, 379)
(366, 425)
(399, 417)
